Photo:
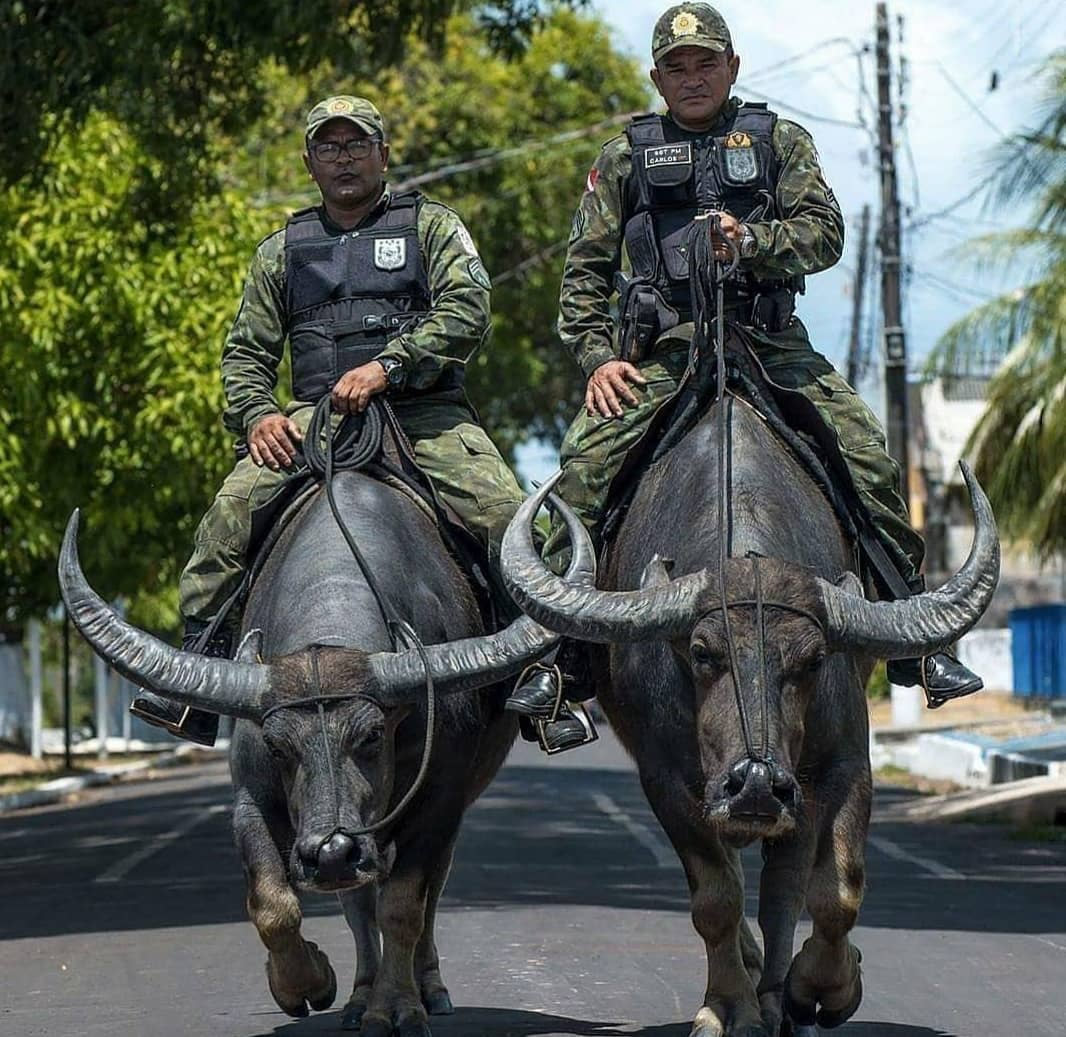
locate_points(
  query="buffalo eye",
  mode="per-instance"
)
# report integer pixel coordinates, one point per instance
(704, 656)
(369, 743)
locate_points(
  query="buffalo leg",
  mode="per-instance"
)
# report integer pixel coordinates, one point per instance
(361, 913)
(716, 887)
(824, 983)
(434, 993)
(299, 974)
(395, 1005)
(782, 888)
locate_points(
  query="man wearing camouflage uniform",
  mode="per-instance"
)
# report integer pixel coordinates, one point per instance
(375, 292)
(711, 154)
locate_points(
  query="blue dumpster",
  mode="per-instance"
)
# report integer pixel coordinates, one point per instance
(1038, 651)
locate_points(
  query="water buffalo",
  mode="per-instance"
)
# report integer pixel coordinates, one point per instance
(310, 776)
(781, 751)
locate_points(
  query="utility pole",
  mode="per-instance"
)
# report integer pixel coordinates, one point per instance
(889, 240)
(855, 364)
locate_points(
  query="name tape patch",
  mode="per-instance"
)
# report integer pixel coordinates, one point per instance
(668, 155)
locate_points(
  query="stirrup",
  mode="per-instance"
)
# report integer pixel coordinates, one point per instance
(570, 728)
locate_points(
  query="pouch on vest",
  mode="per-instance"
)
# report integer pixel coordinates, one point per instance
(644, 314)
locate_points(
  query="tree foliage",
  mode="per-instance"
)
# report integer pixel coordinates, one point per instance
(1020, 442)
(175, 73)
(112, 312)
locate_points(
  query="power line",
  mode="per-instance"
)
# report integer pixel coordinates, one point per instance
(851, 125)
(970, 102)
(771, 70)
(531, 261)
(500, 155)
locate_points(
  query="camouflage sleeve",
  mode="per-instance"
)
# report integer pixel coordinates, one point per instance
(460, 294)
(592, 258)
(255, 345)
(808, 234)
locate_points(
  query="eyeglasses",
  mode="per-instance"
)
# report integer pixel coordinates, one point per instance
(330, 151)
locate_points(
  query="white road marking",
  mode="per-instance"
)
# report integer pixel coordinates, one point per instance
(120, 869)
(661, 850)
(894, 850)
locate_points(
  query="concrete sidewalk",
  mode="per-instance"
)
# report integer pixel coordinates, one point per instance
(58, 789)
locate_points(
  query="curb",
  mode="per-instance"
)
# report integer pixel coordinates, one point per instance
(57, 790)
(1028, 801)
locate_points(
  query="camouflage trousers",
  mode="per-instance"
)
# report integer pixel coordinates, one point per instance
(451, 447)
(595, 448)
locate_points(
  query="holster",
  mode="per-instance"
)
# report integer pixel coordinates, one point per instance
(772, 311)
(644, 316)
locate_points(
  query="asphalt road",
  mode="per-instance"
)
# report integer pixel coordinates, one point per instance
(566, 916)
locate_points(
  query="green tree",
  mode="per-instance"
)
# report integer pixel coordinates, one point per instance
(112, 314)
(1020, 442)
(177, 72)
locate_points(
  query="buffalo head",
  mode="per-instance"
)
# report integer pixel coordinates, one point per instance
(751, 707)
(335, 760)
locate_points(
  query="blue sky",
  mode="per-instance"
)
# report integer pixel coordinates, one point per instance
(802, 58)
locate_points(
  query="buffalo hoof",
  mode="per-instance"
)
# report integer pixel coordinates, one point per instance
(438, 1003)
(804, 1015)
(318, 988)
(405, 1024)
(791, 1029)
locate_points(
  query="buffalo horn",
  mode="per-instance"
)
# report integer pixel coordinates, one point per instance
(217, 685)
(929, 621)
(475, 662)
(658, 610)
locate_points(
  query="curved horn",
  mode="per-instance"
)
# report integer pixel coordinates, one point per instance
(926, 622)
(475, 662)
(658, 610)
(218, 685)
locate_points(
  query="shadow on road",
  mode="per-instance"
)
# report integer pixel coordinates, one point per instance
(541, 836)
(500, 1022)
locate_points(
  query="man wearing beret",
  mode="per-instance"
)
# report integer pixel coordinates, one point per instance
(375, 292)
(710, 153)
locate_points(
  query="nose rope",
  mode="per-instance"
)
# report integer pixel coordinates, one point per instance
(700, 262)
(764, 681)
(325, 747)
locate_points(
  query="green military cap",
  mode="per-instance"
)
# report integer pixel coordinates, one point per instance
(690, 25)
(357, 110)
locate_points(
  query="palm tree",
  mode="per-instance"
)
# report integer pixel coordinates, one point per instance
(1019, 445)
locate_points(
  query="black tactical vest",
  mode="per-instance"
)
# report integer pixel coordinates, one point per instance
(676, 175)
(349, 292)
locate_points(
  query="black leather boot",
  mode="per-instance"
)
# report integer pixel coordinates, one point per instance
(194, 725)
(565, 677)
(548, 698)
(941, 675)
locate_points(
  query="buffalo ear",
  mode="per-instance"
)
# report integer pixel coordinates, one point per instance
(251, 647)
(656, 572)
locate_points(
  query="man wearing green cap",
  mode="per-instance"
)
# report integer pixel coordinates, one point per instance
(710, 154)
(376, 292)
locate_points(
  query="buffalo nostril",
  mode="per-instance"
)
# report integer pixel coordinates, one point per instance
(738, 774)
(336, 852)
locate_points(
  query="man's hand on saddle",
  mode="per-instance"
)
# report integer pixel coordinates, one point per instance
(353, 391)
(731, 230)
(273, 441)
(609, 386)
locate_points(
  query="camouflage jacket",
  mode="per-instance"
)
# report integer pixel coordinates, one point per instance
(458, 321)
(807, 238)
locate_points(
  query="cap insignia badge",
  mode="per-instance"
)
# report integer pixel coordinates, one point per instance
(684, 24)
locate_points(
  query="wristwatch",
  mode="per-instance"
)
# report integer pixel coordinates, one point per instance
(395, 375)
(748, 245)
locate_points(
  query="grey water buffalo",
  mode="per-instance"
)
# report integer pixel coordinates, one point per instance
(330, 738)
(749, 721)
